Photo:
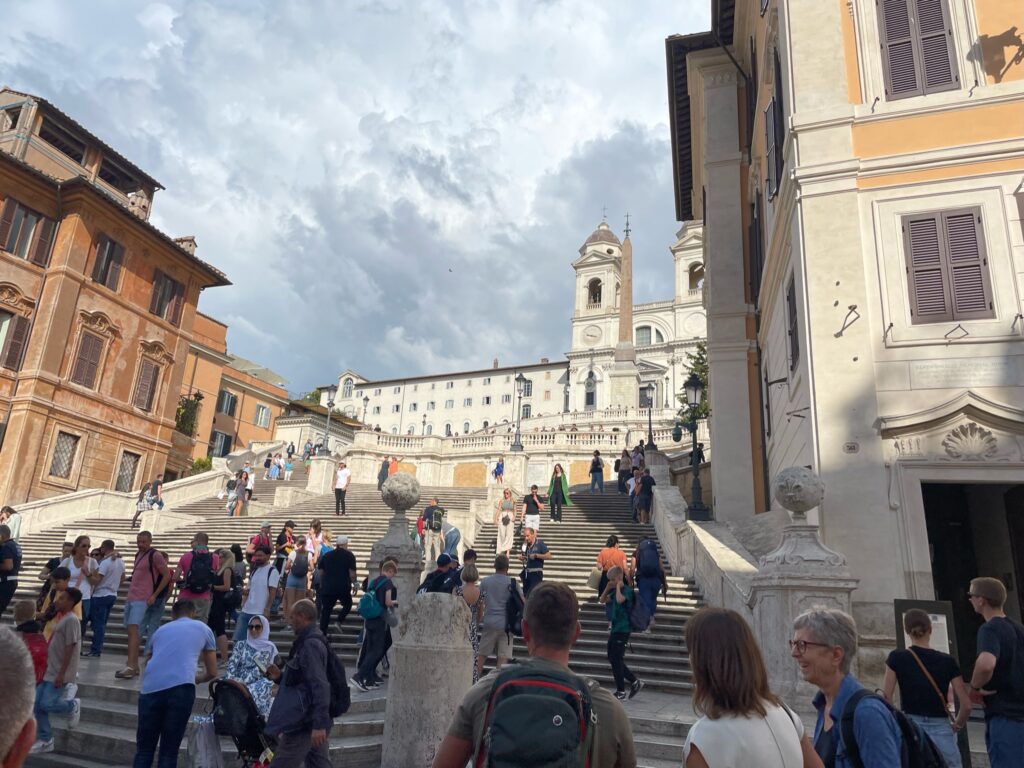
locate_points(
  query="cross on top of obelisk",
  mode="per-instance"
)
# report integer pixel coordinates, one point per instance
(627, 230)
(604, 214)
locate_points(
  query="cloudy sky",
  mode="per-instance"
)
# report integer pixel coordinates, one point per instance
(393, 187)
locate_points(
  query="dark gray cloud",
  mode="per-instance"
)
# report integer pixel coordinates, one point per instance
(392, 187)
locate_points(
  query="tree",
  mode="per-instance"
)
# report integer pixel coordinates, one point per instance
(697, 362)
(312, 397)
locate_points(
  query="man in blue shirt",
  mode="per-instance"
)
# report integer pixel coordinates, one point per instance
(168, 688)
(824, 645)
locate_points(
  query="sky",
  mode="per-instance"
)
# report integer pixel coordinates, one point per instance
(398, 188)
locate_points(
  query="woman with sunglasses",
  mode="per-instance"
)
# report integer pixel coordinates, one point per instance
(250, 659)
(505, 519)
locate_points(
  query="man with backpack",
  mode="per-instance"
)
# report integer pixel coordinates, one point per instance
(379, 595)
(196, 574)
(337, 571)
(444, 579)
(147, 589)
(998, 679)
(517, 716)
(649, 575)
(433, 529)
(597, 473)
(300, 718)
(496, 590)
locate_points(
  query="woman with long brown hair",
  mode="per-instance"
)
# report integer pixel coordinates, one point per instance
(743, 723)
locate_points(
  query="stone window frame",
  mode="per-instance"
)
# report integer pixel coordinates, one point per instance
(95, 324)
(72, 480)
(886, 212)
(140, 469)
(155, 352)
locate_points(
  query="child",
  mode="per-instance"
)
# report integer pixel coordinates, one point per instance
(25, 624)
(47, 615)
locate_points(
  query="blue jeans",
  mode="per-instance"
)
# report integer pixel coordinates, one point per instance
(99, 614)
(648, 587)
(163, 717)
(242, 627)
(151, 623)
(49, 701)
(941, 733)
(1004, 739)
(154, 501)
(597, 481)
(451, 543)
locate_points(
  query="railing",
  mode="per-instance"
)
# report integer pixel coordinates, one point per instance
(594, 305)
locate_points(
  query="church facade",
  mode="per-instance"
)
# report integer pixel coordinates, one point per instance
(663, 334)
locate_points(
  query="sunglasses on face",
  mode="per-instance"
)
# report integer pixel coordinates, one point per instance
(255, 627)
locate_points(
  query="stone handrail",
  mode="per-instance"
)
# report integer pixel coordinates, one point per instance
(236, 460)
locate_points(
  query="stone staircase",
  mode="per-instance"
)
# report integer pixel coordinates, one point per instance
(107, 728)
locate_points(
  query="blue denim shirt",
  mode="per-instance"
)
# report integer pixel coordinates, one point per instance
(878, 735)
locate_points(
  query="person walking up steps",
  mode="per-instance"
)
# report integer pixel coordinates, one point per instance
(342, 477)
(196, 574)
(61, 671)
(621, 597)
(150, 577)
(337, 575)
(597, 473)
(381, 594)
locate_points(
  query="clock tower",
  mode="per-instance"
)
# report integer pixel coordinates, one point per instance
(595, 311)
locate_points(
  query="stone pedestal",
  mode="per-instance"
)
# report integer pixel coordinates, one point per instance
(798, 575)
(401, 492)
(623, 384)
(431, 670)
(321, 475)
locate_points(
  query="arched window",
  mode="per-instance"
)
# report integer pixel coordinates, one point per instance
(527, 410)
(411, 430)
(696, 277)
(594, 293)
(643, 336)
(465, 427)
(658, 338)
(346, 388)
(447, 430)
(430, 429)
(394, 430)
(485, 424)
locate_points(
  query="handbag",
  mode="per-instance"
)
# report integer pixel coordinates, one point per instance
(204, 746)
(594, 581)
(935, 686)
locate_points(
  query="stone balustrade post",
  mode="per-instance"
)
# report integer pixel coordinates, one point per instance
(798, 575)
(431, 670)
(401, 492)
(321, 475)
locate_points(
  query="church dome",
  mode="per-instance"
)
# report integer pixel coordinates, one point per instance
(603, 234)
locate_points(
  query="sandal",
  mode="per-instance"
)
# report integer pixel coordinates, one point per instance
(126, 674)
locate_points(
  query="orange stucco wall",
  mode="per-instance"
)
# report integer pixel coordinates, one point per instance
(1001, 39)
(850, 61)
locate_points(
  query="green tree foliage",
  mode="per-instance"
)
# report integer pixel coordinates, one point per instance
(200, 465)
(697, 362)
(186, 419)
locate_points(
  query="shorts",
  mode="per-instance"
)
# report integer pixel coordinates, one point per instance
(494, 642)
(295, 582)
(133, 612)
(531, 521)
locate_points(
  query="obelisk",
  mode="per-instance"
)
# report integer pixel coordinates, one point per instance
(624, 376)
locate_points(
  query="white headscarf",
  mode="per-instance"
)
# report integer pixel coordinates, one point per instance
(261, 642)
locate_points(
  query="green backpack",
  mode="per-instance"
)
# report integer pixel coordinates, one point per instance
(369, 605)
(538, 717)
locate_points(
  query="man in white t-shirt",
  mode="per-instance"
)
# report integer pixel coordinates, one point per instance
(259, 594)
(341, 480)
(104, 595)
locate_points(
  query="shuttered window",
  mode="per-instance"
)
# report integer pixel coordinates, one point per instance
(168, 298)
(15, 341)
(792, 329)
(755, 244)
(26, 233)
(109, 258)
(918, 55)
(226, 402)
(145, 385)
(947, 267)
(87, 363)
(775, 129)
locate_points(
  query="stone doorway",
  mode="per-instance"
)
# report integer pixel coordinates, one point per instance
(974, 529)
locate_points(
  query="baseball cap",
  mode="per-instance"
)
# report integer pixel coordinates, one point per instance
(443, 560)
(266, 524)
(341, 540)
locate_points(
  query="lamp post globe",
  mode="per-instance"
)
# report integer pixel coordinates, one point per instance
(330, 391)
(649, 390)
(694, 389)
(517, 443)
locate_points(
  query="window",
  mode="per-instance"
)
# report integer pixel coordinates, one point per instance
(947, 268)
(411, 430)
(396, 408)
(64, 450)
(376, 410)
(25, 233)
(526, 410)
(527, 388)
(168, 298)
(145, 386)
(594, 293)
(487, 400)
(376, 392)
(433, 385)
(447, 430)
(773, 147)
(397, 390)
(430, 429)
(87, 363)
(917, 47)
(394, 430)
(359, 393)
(449, 385)
(431, 405)
(126, 472)
(590, 399)
(14, 330)
(109, 258)
(508, 379)
(487, 380)
(791, 322)
(449, 403)
(505, 399)
(226, 403)
(70, 145)
(346, 388)
(262, 416)
(465, 427)
(547, 394)
(467, 402)
(469, 382)
(413, 407)
(643, 336)
(220, 444)
(415, 387)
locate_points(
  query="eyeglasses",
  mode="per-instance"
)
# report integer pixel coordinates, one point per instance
(801, 645)
(971, 594)
(255, 627)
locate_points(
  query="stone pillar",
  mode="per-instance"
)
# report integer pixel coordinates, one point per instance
(800, 574)
(401, 492)
(321, 475)
(431, 670)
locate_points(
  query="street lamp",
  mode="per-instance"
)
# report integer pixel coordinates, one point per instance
(517, 443)
(693, 389)
(366, 404)
(649, 391)
(424, 424)
(331, 392)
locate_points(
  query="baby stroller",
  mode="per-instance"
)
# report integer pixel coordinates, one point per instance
(235, 715)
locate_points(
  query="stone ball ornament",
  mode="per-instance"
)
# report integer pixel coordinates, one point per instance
(798, 489)
(401, 491)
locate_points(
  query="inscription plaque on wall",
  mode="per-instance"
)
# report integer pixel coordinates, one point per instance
(537, 474)
(966, 372)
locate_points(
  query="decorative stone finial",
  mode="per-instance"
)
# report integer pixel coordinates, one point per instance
(798, 489)
(401, 491)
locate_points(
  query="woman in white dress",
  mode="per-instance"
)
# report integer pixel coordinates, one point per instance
(743, 723)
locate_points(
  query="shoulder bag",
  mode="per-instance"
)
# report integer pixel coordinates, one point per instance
(935, 686)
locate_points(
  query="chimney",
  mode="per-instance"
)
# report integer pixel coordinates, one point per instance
(495, 365)
(187, 243)
(544, 360)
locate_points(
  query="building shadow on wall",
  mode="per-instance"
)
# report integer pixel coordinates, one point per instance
(991, 50)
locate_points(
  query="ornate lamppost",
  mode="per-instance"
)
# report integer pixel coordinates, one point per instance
(366, 404)
(517, 443)
(693, 389)
(331, 391)
(424, 430)
(649, 390)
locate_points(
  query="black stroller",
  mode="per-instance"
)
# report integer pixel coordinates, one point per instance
(235, 715)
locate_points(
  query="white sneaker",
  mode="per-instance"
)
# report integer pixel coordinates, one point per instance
(75, 714)
(70, 691)
(40, 747)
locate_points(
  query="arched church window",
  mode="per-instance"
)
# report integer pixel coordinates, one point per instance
(658, 337)
(394, 430)
(411, 430)
(346, 388)
(465, 427)
(696, 277)
(643, 336)
(594, 293)
(430, 429)
(447, 430)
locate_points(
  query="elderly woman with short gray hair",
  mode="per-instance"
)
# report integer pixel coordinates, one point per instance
(824, 644)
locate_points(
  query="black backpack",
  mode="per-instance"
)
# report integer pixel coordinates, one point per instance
(201, 576)
(341, 697)
(648, 562)
(233, 597)
(436, 521)
(300, 567)
(917, 750)
(538, 717)
(153, 576)
(514, 610)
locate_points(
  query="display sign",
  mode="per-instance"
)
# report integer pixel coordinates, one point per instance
(941, 613)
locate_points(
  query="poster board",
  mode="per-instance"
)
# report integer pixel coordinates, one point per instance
(941, 614)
